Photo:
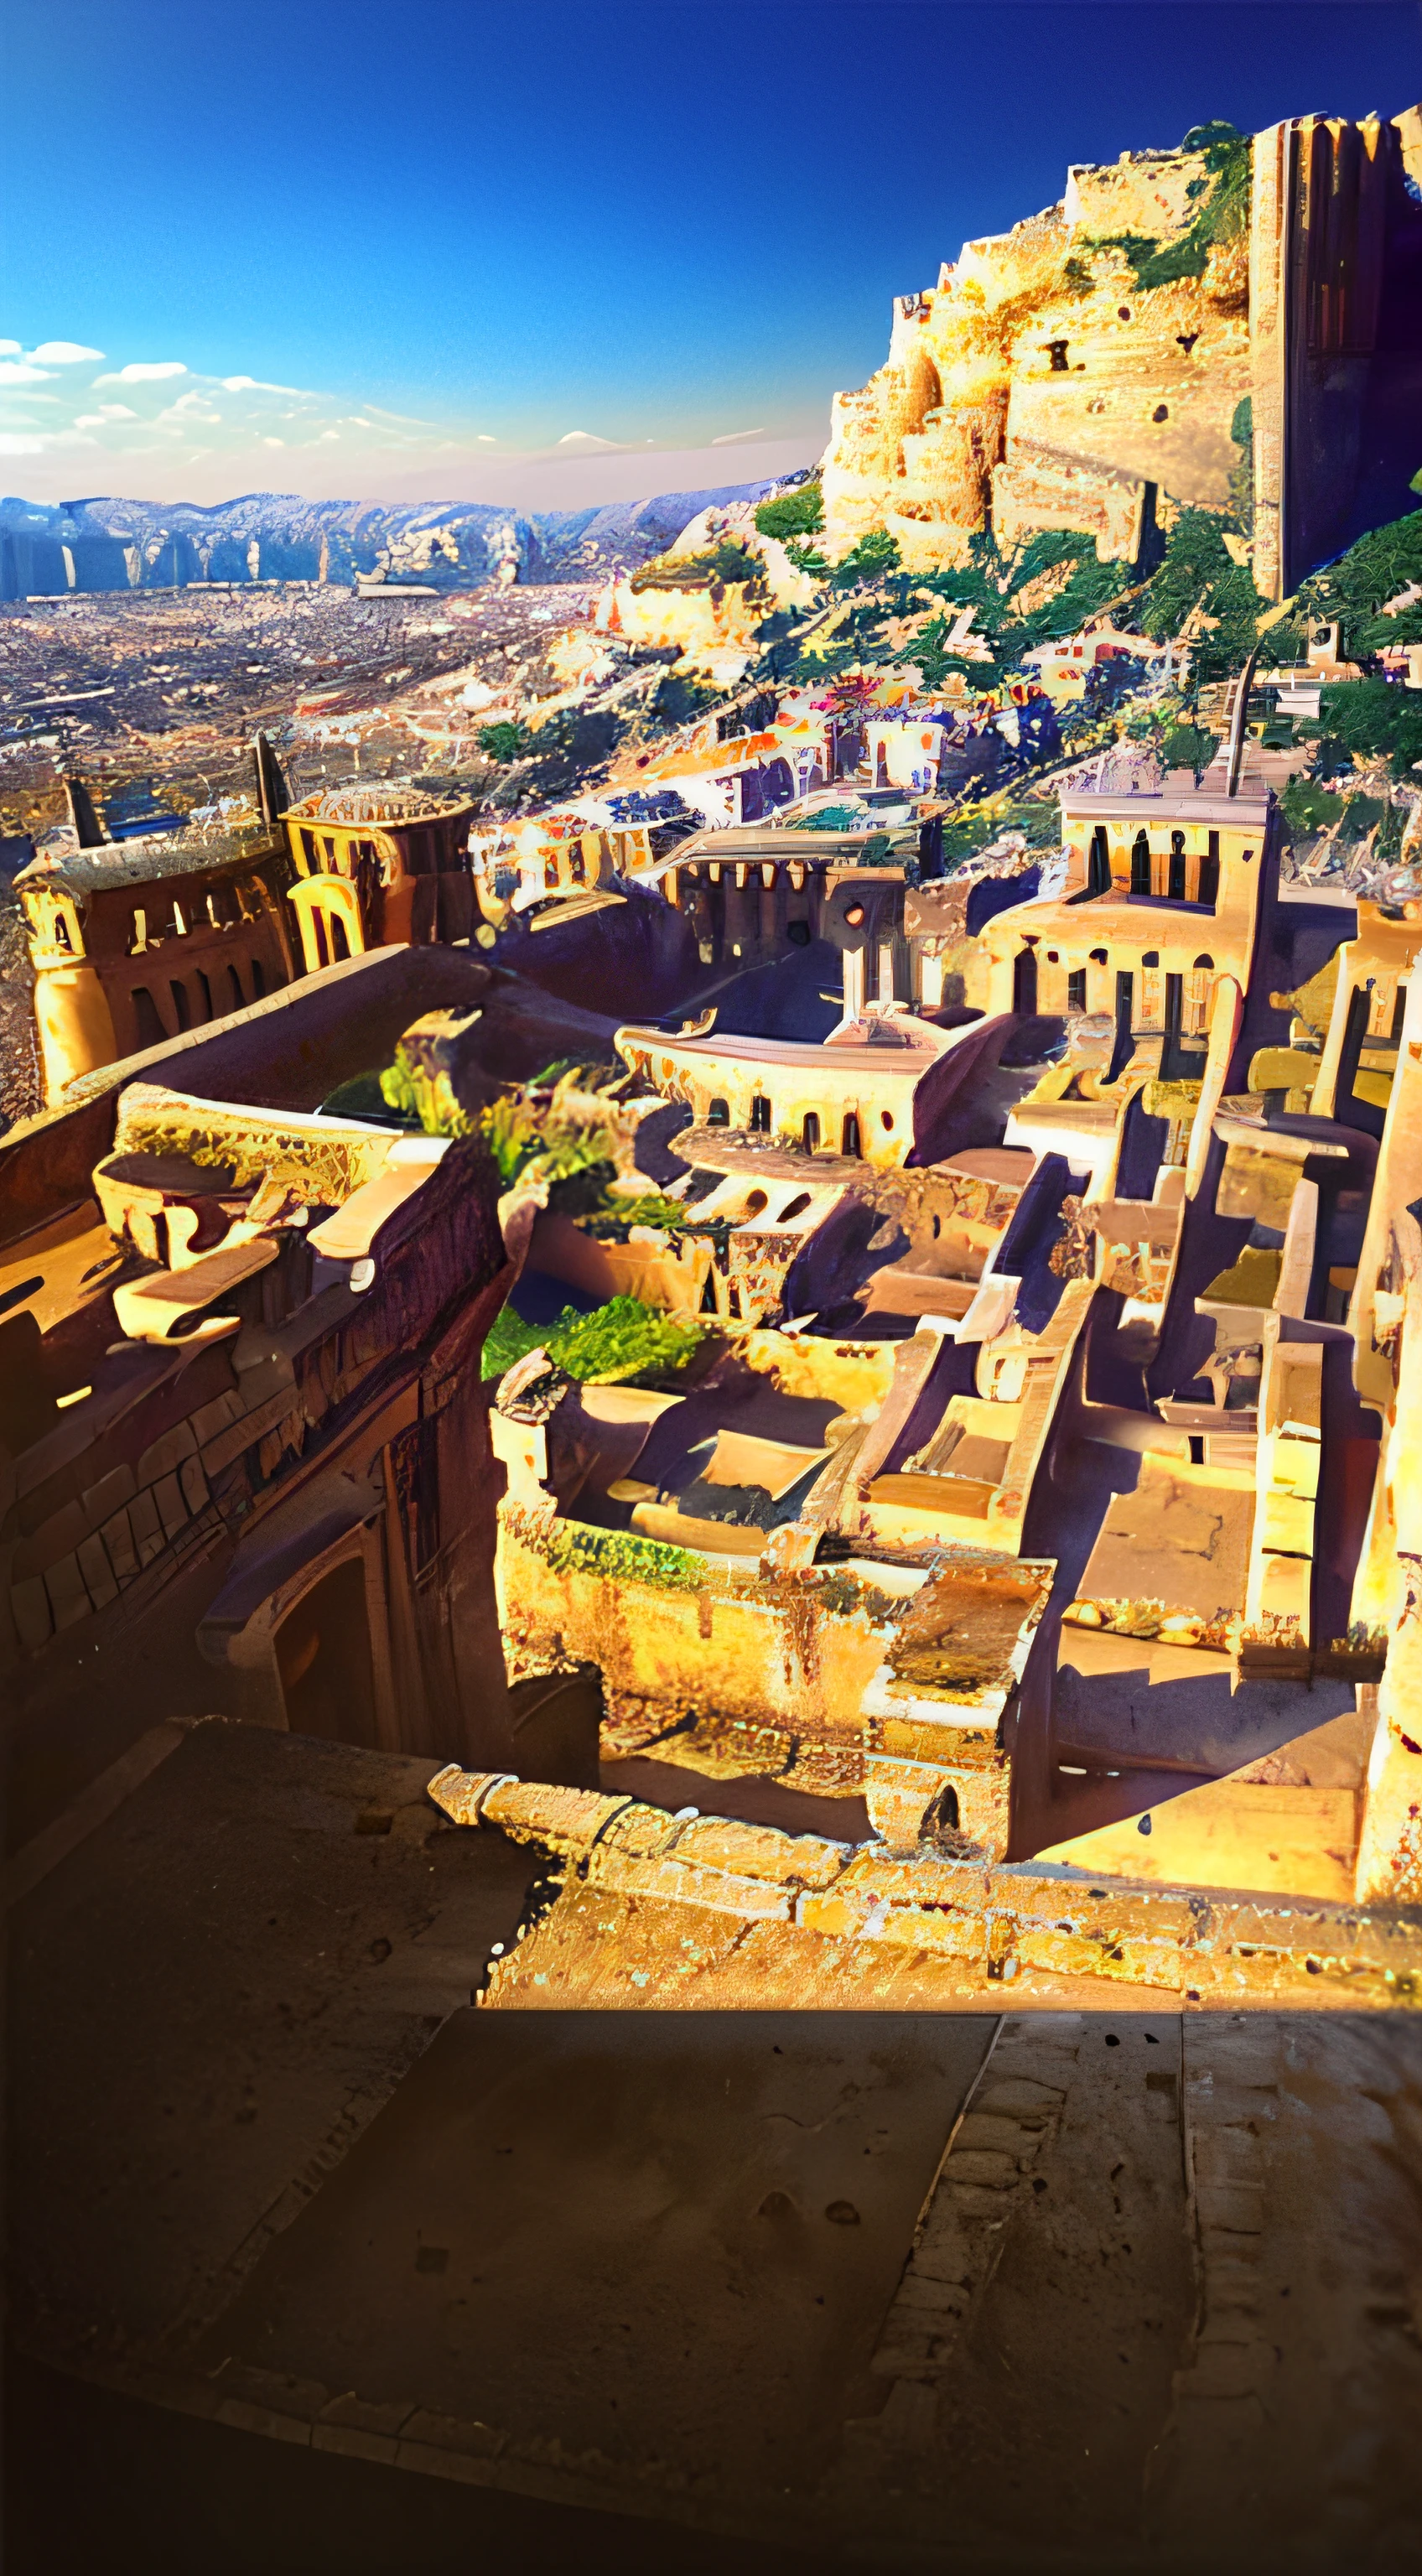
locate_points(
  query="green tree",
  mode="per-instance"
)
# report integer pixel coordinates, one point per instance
(793, 514)
(1198, 571)
(875, 554)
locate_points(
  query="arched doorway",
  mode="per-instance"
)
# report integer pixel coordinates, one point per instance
(323, 1659)
(1024, 981)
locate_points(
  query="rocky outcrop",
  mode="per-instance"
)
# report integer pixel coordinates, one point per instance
(1201, 328)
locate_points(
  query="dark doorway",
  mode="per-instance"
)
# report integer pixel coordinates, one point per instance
(1098, 870)
(323, 1658)
(1210, 872)
(1140, 864)
(850, 1141)
(151, 1032)
(1024, 981)
(1177, 867)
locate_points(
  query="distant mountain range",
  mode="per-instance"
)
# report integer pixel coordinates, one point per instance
(98, 545)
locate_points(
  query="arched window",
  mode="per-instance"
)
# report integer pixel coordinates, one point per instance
(1176, 886)
(1140, 864)
(318, 927)
(259, 981)
(340, 944)
(239, 998)
(849, 1141)
(151, 1032)
(759, 1114)
(181, 1012)
(719, 1114)
(810, 1133)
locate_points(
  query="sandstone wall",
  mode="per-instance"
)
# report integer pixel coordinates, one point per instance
(1041, 385)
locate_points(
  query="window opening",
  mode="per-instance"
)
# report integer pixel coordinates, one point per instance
(1140, 864)
(239, 998)
(1098, 872)
(181, 1011)
(810, 1133)
(1209, 885)
(850, 1140)
(205, 989)
(1076, 991)
(718, 1115)
(259, 980)
(760, 1116)
(1177, 867)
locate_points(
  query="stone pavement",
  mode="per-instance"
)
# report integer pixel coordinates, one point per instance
(1079, 2290)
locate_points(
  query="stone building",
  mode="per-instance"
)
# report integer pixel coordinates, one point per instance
(241, 1445)
(136, 941)
(1159, 339)
(377, 867)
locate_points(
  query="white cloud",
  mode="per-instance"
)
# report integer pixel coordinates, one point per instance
(13, 373)
(485, 440)
(584, 438)
(255, 385)
(11, 348)
(140, 372)
(65, 353)
(733, 437)
(274, 442)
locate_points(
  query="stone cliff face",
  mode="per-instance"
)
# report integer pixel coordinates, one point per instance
(1105, 363)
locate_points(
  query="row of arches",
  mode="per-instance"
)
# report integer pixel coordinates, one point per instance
(193, 1001)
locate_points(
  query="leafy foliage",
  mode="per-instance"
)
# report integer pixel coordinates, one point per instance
(618, 1342)
(1223, 213)
(1188, 746)
(1198, 571)
(1357, 587)
(678, 699)
(793, 514)
(1309, 807)
(504, 741)
(1376, 719)
(873, 555)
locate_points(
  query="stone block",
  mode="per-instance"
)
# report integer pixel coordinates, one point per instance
(988, 2167)
(117, 1536)
(172, 1510)
(1236, 2208)
(193, 1484)
(98, 1574)
(30, 1610)
(210, 1419)
(146, 1527)
(758, 1851)
(453, 2433)
(988, 2129)
(102, 1500)
(68, 1598)
(163, 1455)
(57, 1536)
(1019, 2097)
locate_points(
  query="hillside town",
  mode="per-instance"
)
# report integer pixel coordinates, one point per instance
(761, 1213)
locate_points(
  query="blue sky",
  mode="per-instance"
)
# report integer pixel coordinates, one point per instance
(536, 251)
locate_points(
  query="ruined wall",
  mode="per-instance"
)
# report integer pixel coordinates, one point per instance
(1090, 369)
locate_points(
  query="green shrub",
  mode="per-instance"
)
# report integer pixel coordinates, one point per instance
(1188, 746)
(618, 1342)
(504, 741)
(875, 554)
(1223, 214)
(1198, 570)
(792, 514)
(1373, 717)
